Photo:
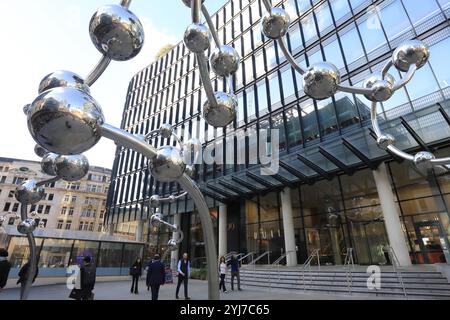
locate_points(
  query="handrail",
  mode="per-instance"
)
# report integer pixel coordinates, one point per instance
(284, 255)
(348, 270)
(247, 255)
(307, 265)
(396, 267)
(266, 253)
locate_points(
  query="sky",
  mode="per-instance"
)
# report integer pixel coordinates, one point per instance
(42, 36)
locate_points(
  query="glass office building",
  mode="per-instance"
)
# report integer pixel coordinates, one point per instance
(327, 148)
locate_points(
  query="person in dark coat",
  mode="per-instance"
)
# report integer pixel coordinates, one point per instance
(135, 272)
(5, 266)
(156, 276)
(88, 274)
(234, 263)
(23, 276)
(184, 272)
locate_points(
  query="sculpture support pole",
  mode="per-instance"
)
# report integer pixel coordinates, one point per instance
(212, 29)
(32, 259)
(98, 70)
(128, 140)
(204, 73)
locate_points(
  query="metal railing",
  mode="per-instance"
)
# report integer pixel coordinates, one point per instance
(396, 267)
(266, 253)
(250, 254)
(349, 266)
(307, 266)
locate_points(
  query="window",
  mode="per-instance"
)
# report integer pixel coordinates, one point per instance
(422, 83)
(50, 197)
(71, 211)
(288, 83)
(11, 221)
(11, 194)
(74, 199)
(47, 209)
(394, 20)
(351, 45)
(323, 17)
(59, 225)
(63, 211)
(40, 208)
(44, 222)
(333, 54)
(68, 224)
(274, 86)
(91, 226)
(2, 179)
(18, 180)
(371, 33)
(80, 226)
(66, 198)
(100, 226)
(340, 8)
(439, 58)
(419, 10)
(309, 27)
(15, 207)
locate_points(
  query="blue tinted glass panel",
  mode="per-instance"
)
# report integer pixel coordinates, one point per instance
(371, 33)
(340, 8)
(438, 59)
(394, 19)
(422, 83)
(309, 27)
(323, 16)
(419, 10)
(262, 97)
(333, 54)
(274, 90)
(353, 49)
(287, 83)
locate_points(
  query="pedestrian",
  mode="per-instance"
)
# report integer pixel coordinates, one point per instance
(88, 275)
(5, 266)
(156, 276)
(223, 272)
(234, 263)
(135, 273)
(23, 276)
(183, 272)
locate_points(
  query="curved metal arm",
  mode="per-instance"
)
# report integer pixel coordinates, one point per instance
(32, 260)
(357, 90)
(408, 77)
(204, 74)
(195, 10)
(374, 120)
(386, 68)
(211, 26)
(98, 70)
(289, 56)
(164, 200)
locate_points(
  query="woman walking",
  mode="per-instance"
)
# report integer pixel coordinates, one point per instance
(223, 272)
(135, 273)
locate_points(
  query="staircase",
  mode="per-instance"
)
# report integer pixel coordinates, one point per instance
(420, 282)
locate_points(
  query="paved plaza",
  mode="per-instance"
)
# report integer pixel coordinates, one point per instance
(120, 290)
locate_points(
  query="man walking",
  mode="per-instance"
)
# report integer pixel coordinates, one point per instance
(156, 276)
(88, 274)
(184, 272)
(234, 263)
(5, 267)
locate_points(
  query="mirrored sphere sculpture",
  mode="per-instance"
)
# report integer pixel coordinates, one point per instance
(65, 120)
(385, 140)
(223, 113)
(321, 80)
(116, 32)
(382, 89)
(409, 53)
(197, 37)
(422, 160)
(48, 163)
(63, 78)
(26, 226)
(166, 130)
(40, 151)
(28, 192)
(275, 23)
(225, 61)
(172, 245)
(156, 219)
(71, 167)
(168, 165)
(154, 201)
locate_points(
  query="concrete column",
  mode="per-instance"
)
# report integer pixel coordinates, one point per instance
(223, 230)
(288, 226)
(174, 254)
(139, 230)
(391, 215)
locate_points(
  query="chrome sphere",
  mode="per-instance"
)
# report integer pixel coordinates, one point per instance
(275, 23)
(382, 89)
(172, 198)
(385, 140)
(26, 108)
(155, 220)
(422, 160)
(223, 113)
(116, 32)
(65, 120)
(192, 148)
(63, 78)
(409, 53)
(168, 165)
(197, 38)
(72, 167)
(48, 164)
(225, 61)
(321, 80)
(154, 201)
(187, 3)
(40, 151)
(29, 193)
(190, 171)
(172, 245)
(166, 130)
(26, 226)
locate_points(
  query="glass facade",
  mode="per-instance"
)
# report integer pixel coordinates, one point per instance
(326, 147)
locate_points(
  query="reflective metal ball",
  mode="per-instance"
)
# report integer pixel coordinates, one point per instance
(422, 160)
(321, 80)
(166, 130)
(71, 167)
(409, 53)
(48, 164)
(382, 89)
(29, 193)
(26, 108)
(116, 32)
(154, 201)
(172, 198)
(385, 140)
(275, 23)
(190, 171)
(40, 151)
(225, 61)
(197, 38)
(168, 165)
(63, 78)
(65, 120)
(172, 245)
(155, 220)
(187, 3)
(26, 226)
(223, 113)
